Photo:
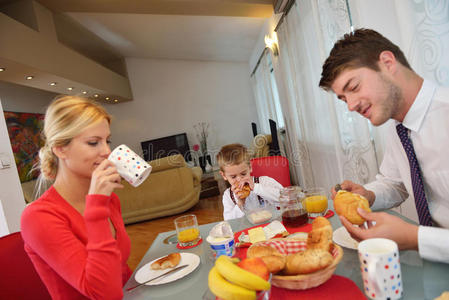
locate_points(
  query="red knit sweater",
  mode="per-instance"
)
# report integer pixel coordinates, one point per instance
(76, 256)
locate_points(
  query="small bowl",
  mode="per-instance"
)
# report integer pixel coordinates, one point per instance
(259, 215)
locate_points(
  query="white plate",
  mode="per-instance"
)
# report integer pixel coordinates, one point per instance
(341, 237)
(144, 273)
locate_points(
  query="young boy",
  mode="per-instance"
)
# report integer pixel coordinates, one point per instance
(235, 168)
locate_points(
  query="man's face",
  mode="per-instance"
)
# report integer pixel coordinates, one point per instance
(370, 93)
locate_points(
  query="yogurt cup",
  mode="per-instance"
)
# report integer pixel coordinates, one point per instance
(221, 246)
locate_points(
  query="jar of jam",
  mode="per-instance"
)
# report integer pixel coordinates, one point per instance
(292, 211)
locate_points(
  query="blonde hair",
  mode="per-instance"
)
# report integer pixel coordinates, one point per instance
(65, 118)
(232, 154)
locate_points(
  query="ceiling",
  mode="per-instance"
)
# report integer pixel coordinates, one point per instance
(106, 31)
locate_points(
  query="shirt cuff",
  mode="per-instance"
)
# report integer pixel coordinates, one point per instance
(432, 243)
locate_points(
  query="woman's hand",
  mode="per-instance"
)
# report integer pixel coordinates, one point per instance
(386, 226)
(105, 179)
(356, 189)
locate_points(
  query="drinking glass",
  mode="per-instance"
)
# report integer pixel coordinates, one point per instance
(315, 202)
(187, 230)
(292, 211)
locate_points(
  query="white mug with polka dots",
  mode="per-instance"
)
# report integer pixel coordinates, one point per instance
(381, 269)
(129, 165)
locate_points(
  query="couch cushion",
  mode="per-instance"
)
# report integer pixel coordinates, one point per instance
(169, 162)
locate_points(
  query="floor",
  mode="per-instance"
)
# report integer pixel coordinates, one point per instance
(142, 235)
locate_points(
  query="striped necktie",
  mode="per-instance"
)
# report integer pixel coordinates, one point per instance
(421, 204)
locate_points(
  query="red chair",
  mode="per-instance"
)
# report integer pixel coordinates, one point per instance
(19, 279)
(275, 167)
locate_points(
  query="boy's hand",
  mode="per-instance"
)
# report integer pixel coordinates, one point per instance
(241, 191)
(249, 182)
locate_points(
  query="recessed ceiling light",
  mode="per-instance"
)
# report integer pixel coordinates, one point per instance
(96, 95)
(53, 83)
(2, 69)
(69, 88)
(84, 92)
(115, 100)
(29, 77)
(107, 98)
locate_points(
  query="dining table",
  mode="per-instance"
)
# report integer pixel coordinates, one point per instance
(421, 279)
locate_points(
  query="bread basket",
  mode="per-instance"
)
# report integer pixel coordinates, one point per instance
(303, 281)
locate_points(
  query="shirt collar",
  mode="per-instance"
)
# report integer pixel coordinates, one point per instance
(415, 116)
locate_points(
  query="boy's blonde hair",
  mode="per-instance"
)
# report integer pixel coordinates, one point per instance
(232, 154)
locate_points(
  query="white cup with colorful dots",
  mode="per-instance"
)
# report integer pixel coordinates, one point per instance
(129, 165)
(381, 269)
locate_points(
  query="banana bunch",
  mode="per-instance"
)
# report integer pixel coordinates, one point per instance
(230, 282)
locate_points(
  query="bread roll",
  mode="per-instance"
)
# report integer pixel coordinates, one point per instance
(346, 204)
(308, 261)
(169, 261)
(320, 237)
(244, 193)
(273, 259)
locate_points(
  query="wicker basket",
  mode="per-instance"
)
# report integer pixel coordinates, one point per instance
(307, 281)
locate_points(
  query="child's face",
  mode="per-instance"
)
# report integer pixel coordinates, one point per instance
(235, 174)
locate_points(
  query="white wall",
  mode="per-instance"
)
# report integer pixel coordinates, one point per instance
(18, 99)
(170, 96)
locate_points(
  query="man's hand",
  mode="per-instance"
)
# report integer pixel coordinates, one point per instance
(386, 226)
(356, 189)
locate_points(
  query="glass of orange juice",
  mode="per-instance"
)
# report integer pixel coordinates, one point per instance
(187, 230)
(315, 202)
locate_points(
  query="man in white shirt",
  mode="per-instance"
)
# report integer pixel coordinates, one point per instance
(373, 77)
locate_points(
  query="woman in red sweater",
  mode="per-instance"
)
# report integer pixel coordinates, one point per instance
(74, 233)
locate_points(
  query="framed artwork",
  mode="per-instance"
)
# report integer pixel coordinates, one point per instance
(24, 131)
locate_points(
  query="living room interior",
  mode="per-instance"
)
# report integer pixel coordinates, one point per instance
(161, 67)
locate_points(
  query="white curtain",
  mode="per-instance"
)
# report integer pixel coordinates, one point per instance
(328, 143)
(266, 94)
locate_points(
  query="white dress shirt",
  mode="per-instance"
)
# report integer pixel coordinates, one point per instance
(267, 188)
(428, 122)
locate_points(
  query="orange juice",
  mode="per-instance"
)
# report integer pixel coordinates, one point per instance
(315, 204)
(188, 235)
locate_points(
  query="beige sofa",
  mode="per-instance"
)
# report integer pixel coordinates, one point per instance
(171, 188)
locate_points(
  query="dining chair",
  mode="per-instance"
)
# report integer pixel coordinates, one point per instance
(275, 167)
(19, 279)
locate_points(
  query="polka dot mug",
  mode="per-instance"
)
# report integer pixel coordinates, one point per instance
(380, 267)
(129, 165)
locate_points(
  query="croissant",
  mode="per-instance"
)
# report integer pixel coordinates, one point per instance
(346, 204)
(320, 237)
(244, 193)
(169, 261)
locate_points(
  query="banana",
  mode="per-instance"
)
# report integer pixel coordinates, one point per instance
(225, 290)
(239, 276)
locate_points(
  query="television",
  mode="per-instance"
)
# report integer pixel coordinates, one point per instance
(166, 146)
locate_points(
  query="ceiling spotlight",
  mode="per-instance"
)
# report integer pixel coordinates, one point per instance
(69, 88)
(29, 77)
(84, 92)
(53, 83)
(96, 95)
(107, 98)
(2, 69)
(115, 100)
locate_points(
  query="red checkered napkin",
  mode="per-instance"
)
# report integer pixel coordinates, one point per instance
(290, 246)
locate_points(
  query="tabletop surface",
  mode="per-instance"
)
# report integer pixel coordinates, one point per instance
(421, 279)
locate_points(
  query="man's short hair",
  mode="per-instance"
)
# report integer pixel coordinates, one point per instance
(232, 154)
(360, 48)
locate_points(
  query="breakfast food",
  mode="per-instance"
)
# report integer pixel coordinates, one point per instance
(320, 237)
(256, 235)
(169, 261)
(307, 261)
(273, 259)
(346, 204)
(244, 193)
(260, 216)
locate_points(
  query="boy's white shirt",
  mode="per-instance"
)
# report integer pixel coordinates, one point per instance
(267, 188)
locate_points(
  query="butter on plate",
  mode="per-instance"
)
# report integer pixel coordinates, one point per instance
(256, 235)
(263, 233)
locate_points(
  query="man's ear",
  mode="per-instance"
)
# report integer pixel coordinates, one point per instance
(59, 151)
(388, 61)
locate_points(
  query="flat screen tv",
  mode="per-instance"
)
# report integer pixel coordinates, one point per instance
(166, 146)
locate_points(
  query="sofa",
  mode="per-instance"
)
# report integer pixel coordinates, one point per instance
(171, 188)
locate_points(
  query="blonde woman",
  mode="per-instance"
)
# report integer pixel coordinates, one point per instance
(74, 233)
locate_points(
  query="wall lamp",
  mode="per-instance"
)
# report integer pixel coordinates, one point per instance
(272, 43)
